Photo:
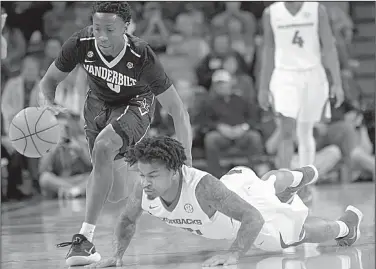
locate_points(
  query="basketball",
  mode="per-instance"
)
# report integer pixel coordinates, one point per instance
(34, 131)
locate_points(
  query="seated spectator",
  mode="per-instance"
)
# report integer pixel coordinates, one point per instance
(55, 18)
(20, 92)
(51, 52)
(64, 171)
(16, 50)
(81, 18)
(188, 41)
(233, 11)
(153, 28)
(243, 83)
(221, 50)
(224, 130)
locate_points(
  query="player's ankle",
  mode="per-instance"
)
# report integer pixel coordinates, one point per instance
(343, 229)
(88, 231)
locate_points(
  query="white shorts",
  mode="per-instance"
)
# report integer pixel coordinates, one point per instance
(281, 219)
(301, 95)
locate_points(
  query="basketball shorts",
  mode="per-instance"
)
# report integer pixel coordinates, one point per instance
(301, 95)
(131, 121)
(281, 220)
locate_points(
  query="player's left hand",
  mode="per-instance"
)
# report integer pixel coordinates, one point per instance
(222, 259)
(338, 93)
(111, 262)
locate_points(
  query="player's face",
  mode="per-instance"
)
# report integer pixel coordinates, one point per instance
(156, 179)
(109, 30)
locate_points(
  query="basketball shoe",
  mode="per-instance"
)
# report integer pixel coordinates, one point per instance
(82, 251)
(352, 219)
(310, 176)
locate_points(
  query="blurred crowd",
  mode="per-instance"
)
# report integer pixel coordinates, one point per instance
(211, 50)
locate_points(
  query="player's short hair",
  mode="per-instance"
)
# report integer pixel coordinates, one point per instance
(121, 9)
(163, 149)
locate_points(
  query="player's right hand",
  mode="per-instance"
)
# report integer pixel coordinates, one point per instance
(111, 262)
(264, 99)
(56, 109)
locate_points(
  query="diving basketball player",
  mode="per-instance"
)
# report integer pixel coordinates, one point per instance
(240, 206)
(124, 77)
(298, 42)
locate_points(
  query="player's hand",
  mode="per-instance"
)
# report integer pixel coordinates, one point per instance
(111, 262)
(264, 99)
(338, 93)
(56, 109)
(222, 259)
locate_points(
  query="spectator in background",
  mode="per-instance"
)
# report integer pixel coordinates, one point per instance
(243, 83)
(81, 19)
(233, 13)
(221, 50)
(153, 28)
(64, 171)
(16, 48)
(225, 130)
(55, 18)
(20, 92)
(51, 52)
(4, 45)
(188, 40)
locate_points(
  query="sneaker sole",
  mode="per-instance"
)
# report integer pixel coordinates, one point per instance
(82, 260)
(360, 216)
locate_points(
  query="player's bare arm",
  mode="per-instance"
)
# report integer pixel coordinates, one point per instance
(330, 53)
(267, 62)
(50, 81)
(124, 230)
(171, 101)
(213, 195)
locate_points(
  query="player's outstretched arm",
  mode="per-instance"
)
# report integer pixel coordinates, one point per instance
(124, 229)
(330, 53)
(171, 101)
(267, 62)
(212, 192)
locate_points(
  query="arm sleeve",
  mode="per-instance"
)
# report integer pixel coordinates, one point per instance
(153, 74)
(68, 57)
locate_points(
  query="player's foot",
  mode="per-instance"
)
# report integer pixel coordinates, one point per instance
(310, 176)
(82, 251)
(352, 219)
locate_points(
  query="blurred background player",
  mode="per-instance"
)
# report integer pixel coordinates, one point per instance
(298, 43)
(124, 77)
(240, 206)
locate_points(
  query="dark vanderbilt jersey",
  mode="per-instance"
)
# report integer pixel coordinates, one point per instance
(135, 71)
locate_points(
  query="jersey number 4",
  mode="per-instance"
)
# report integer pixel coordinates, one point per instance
(297, 39)
(114, 87)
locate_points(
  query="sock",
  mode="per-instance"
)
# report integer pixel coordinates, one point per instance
(88, 231)
(343, 229)
(298, 176)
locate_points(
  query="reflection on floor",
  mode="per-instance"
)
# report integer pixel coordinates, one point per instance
(29, 236)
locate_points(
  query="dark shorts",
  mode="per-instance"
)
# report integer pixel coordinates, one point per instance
(130, 121)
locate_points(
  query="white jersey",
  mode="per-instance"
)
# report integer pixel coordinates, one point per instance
(188, 213)
(296, 37)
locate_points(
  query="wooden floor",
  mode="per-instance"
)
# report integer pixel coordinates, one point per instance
(29, 236)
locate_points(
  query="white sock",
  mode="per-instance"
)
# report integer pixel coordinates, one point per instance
(298, 176)
(88, 231)
(343, 229)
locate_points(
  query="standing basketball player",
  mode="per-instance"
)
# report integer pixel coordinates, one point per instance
(241, 207)
(297, 36)
(124, 77)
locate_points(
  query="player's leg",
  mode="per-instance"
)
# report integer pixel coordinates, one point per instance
(284, 86)
(345, 230)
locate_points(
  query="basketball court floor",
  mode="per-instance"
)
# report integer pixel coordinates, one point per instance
(30, 233)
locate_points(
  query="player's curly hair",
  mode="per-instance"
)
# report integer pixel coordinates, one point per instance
(163, 149)
(121, 9)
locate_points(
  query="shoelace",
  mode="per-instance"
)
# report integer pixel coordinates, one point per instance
(65, 244)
